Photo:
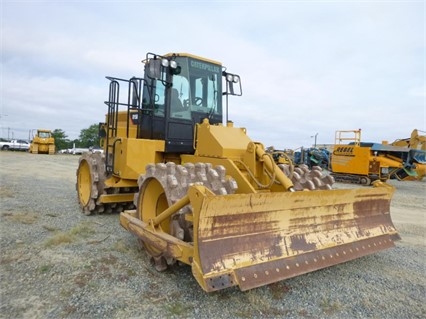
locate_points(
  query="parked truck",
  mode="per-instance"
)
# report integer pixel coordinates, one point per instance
(15, 145)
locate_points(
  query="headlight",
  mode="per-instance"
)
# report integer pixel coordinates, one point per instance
(229, 77)
(173, 64)
(165, 63)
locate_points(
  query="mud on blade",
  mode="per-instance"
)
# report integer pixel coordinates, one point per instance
(252, 240)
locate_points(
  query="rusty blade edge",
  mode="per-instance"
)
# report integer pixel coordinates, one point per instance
(269, 272)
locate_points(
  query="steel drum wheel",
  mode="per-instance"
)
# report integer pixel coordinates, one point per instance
(163, 185)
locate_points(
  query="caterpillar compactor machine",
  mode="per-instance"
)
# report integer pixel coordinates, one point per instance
(206, 195)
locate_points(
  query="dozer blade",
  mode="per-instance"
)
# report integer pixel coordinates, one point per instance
(252, 240)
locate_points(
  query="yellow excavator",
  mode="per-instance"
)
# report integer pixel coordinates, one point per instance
(416, 149)
(415, 141)
(196, 189)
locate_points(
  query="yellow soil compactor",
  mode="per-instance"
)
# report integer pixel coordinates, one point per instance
(201, 192)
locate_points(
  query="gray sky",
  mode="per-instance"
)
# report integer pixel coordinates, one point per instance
(307, 67)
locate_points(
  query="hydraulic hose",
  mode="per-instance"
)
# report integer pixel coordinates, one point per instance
(272, 167)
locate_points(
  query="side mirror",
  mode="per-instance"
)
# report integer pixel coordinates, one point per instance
(157, 69)
(153, 69)
(102, 130)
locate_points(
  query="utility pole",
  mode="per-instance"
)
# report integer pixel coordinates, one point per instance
(315, 143)
(1, 124)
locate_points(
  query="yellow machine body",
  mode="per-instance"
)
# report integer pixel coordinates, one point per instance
(415, 141)
(361, 160)
(128, 160)
(257, 236)
(95, 188)
(354, 160)
(357, 163)
(420, 170)
(417, 145)
(203, 193)
(43, 142)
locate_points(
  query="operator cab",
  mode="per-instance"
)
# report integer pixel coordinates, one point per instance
(177, 92)
(180, 90)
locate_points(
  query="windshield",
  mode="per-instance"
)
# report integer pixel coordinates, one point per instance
(196, 88)
(44, 134)
(419, 156)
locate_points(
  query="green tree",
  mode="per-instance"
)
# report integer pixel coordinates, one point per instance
(89, 136)
(61, 139)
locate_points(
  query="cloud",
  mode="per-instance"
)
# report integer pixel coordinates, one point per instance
(51, 102)
(306, 68)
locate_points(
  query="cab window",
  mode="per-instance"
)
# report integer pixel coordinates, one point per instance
(157, 100)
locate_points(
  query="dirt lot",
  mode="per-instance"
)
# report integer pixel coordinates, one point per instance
(57, 263)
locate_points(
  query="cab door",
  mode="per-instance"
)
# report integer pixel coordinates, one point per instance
(153, 121)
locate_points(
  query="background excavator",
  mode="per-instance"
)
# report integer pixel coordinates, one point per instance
(414, 156)
(415, 141)
(196, 189)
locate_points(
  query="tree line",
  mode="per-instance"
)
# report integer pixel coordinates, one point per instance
(88, 137)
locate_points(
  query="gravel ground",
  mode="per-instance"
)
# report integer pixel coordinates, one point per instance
(57, 263)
